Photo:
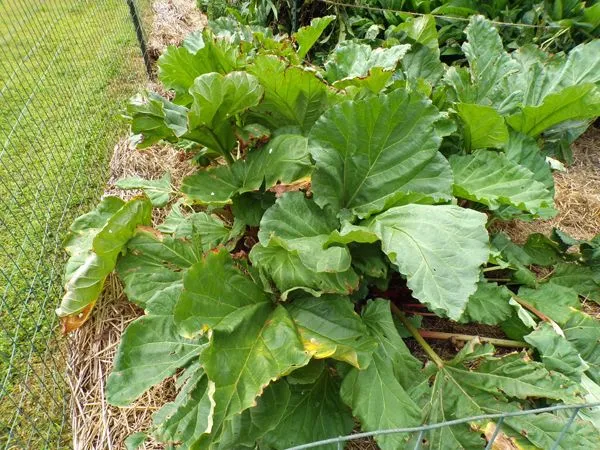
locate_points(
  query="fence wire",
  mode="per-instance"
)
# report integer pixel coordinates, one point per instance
(421, 432)
(66, 67)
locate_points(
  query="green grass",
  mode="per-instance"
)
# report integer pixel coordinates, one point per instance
(66, 69)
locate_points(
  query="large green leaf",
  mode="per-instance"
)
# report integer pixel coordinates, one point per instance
(558, 354)
(216, 101)
(583, 331)
(525, 151)
(158, 191)
(422, 61)
(541, 74)
(84, 229)
(286, 270)
(152, 271)
(190, 414)
(315, 411)
(351, 59)
(517, 258)
(264, 346)
(154, 118)
(544, 430)
(307, 36)
(583, 280)
(94, 255)
(284, 159)
(492, 179)
(254, 423)
(304, 228)
(209, 229)
(572, 103)
(216, 295)
(554, 300)
(489, 64)
(330, 328)
(151, 350)
(489, 304)
(483, 126)
(582, 65)
(376, 394)
(293, 96)
(371, 153)
(461, 391)
(374, 83)
(439, 249)
(178, 67)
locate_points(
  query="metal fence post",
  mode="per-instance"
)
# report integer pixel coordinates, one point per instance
(135, 17)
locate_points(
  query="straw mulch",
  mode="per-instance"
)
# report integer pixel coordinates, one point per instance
(577, 195)
(97, 425)
(173, 21)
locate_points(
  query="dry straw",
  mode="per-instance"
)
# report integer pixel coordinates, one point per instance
(577, 195)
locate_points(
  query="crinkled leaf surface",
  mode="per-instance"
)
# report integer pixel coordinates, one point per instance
(517, 258)
(376, 394)
(190, 414)
(330, 328)
(438, 248)
(84, 229)
(524, 150)
(254, 423)
(209, 229)
(583, 280)
(582, 65)
(288, 273)
(303, 227)
(154, 118)
(541, 74)
(572, 103)
(178, 67)
(489, 304)
(216, 100)
(216, 295)
(583, 331)
(284, 159)
(543, 430)
(293, 96)
(92, 259)
(483, 126)
(458, 391)
(489, 64)
(264, 346)
(158, 191)
(492, 179)
(369, 153)
(151, 350)
(351, 59)
(307, 36)
(315, 411)
(422, 61)
(374, 82)
(250, 206)
(152, 270)
(557, 353)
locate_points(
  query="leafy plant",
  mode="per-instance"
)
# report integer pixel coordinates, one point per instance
(339, 197)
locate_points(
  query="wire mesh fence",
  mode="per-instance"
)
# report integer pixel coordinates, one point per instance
(66, 66)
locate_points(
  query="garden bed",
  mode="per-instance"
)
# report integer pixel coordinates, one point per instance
(457, 189)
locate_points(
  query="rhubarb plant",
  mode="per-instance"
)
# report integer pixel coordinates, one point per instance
(344, 203)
